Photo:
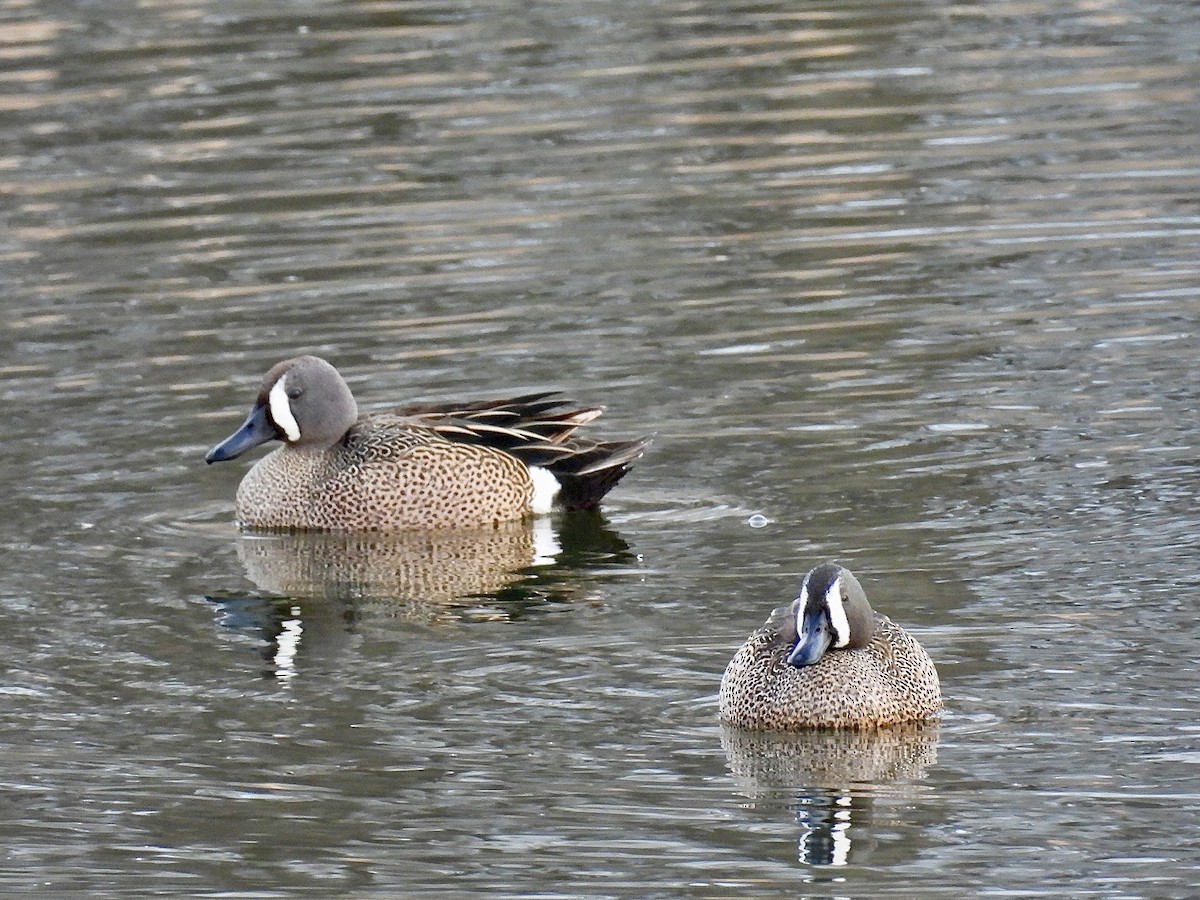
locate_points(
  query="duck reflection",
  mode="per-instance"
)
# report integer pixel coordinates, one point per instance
(315, 587)
(830, 779)
(281, 626)
(433, 567)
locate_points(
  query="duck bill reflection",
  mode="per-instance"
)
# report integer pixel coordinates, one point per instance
(257, 429)
(814, 635)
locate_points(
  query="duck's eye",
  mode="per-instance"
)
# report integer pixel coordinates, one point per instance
(293, 393)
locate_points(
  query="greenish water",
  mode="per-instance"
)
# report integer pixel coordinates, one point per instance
(917, 284)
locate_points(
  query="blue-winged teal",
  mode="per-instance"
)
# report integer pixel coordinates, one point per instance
(428, 466)
(827, 660)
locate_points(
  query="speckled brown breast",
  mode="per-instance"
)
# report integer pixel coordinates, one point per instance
(387, 474)
(891, 680)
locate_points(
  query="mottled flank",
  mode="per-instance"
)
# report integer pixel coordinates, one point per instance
(889, 681)
(386, 474)
(429, 466)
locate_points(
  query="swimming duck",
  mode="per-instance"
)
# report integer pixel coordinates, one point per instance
(449, 465)
(827, 660)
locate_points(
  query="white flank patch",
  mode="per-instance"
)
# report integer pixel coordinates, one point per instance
(545, 489)
(837, 613)
(281, 411)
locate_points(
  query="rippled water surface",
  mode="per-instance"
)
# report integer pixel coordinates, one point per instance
(916, 285)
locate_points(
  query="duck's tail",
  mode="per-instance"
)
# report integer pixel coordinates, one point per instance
(539, 429)
(586, 470)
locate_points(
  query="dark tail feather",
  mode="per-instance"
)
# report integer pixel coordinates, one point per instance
(590, 472)
(508, 424)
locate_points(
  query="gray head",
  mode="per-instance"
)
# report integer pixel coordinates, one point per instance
(831, 612)
(303, 402)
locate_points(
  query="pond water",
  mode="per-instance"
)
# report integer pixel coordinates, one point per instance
(915, 287)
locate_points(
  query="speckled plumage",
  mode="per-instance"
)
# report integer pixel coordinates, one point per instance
(429, 466)
(385, 475)
(889, 681)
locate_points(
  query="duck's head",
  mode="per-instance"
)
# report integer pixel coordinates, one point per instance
(303, 401)
(831, 612)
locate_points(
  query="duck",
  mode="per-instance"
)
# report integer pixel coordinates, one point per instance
(424, 466)
(828, 660)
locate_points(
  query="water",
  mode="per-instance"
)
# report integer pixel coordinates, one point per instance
(916, 285)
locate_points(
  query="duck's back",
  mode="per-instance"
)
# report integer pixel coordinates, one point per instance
(889, 681)
(388, 473)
